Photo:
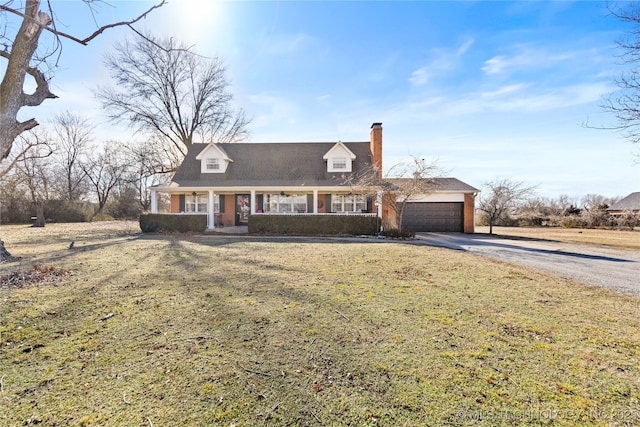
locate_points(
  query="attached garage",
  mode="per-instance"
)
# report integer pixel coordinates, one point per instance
(448, 207)
(435, 216)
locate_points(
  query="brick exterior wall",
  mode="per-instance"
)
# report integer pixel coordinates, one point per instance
(375, 141)
(469, 213)
(175, 204)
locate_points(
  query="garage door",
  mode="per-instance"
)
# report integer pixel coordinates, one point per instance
(441, 217)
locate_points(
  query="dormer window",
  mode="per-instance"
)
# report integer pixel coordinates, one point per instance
(213, 159)
(339, 163)
(213, 164)
(339, 158)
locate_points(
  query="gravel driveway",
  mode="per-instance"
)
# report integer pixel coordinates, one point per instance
(616, 269)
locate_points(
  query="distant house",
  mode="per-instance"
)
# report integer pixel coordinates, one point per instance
(231, 182)
(630, 203)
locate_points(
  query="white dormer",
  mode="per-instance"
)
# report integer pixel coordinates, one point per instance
(339, 158)
(213, 159)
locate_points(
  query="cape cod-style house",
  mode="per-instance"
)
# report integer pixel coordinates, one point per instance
(230, 182)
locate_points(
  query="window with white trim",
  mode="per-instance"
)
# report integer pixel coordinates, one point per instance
(200, 202)
(213, 164)
(282, 203)
(348, 203)
(339, 163)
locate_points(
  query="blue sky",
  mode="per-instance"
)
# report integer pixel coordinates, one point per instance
(488, 89)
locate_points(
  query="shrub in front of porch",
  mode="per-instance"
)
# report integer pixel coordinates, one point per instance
(314, 225)
(150, 223)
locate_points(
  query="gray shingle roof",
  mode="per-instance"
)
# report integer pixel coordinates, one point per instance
(438, 185)
(271, 164)
(631, 202)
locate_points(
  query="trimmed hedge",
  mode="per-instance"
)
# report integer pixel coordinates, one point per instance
(310, 225)
(150, 223)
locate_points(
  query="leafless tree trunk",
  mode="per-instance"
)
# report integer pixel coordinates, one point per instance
(4, 253)
(22, 61)
(165, 90)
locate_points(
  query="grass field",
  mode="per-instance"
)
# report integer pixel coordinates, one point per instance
(164, 330)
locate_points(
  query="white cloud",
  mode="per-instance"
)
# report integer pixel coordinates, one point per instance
(526, 57)
(495, 65)
(286, 44)
(273, 109)
(443, 61)
(324, 99)
(420, 76)
(465, 47)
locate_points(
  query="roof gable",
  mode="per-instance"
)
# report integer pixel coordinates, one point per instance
(339, 150)
(436, 185)
(213, 150)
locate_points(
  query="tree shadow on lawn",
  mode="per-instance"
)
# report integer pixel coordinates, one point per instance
(269, 330)
(63, 252)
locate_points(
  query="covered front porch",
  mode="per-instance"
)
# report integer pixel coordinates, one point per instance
(226, 207)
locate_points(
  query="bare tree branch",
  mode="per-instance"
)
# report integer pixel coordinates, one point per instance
(20, 56)
(85, 41)
(624, 104)
(171, 93)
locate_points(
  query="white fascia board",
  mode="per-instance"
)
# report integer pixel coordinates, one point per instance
(436, 197)
(204, 154)
(339, 146)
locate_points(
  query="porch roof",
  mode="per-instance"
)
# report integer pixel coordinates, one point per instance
(435, 185)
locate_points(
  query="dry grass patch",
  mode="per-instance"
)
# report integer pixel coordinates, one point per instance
(231, 331)
(624, 239)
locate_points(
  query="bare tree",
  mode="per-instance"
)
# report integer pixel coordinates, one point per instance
(624, 104)
(35, 172)
(73, 135)
(500, 197)
(30, 145)
(407, 180)
(402, 183)
(32, 148)
(106, 171)
(148, 166)
(165, 90)
(20, 51)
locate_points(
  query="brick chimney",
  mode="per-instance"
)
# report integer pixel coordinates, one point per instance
(376, 145)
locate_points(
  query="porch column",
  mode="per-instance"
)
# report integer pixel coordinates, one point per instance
(315, 202)
(379, 204)
(253, 202)
(154, 202)
(211, 223)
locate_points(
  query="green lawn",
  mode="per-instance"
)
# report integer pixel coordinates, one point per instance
(168, 330)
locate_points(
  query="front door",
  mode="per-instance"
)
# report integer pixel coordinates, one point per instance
(243, 208)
